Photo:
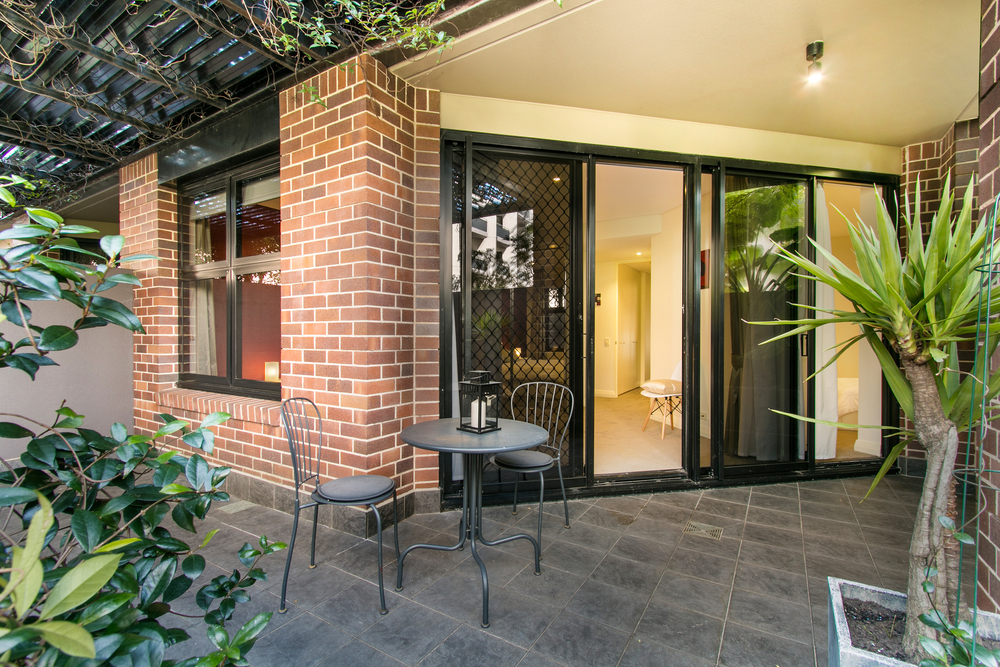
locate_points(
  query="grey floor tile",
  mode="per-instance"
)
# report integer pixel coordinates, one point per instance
(856, 570)
(356, 609)
(532, 659)
(732, 494)
(709, 505)
(767, 502)
(892, 539)
(828, 511)
(837, 547)
(755, 532)
(571, 558)
(747, 647)
(828, 485)
(646, 653)
(501, 567)
(657, 530)
(630, 505)
(420, 569)
(763, 580)
(362, 559)
(666, 512)
(262, 601)
(780, 490)
(467, 645)
(681, 629)
(777, 558)
(693, 594)
(702, 566)
(410, 632)
(592, 537)
(576, 508)
(457, 596)
(443, 522)
(308, 587)
(197, 646)
(359, 654)
(636, 577)
(783, 520)
(816, 526)
(875, 519)
(686, 499)
(771, 614)
(642, 551)
(296, 643)
(606, 518)
(574, 640)
(610, 605)
(552, 586)
(824, 497)
(516, 618)
(726, 547)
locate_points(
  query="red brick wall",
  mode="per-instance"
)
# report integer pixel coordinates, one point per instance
(359, 235)
(989, 185)
(360, 285)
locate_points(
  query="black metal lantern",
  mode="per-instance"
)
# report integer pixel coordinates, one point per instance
(479, 403)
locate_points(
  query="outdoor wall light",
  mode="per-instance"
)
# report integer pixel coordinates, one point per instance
(814, 52)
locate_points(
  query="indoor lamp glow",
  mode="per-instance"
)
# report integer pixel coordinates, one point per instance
(814, 52)
(271, 372)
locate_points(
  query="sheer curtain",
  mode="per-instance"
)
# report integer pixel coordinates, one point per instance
(826, 341)
(205, 360)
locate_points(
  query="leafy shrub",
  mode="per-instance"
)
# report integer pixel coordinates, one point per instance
(88, 570)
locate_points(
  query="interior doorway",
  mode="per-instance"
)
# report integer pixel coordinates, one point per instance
(637, 278)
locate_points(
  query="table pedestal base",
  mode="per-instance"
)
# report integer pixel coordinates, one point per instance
(470, 529)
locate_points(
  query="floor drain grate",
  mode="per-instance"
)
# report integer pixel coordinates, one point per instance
(703, 530)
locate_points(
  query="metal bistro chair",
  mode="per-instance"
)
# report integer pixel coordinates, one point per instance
(304, 428)
(550, 406)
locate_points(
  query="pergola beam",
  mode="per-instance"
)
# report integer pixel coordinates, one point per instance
(199, 13)
(95, 109)
(248, 15)
(21, 134)
(139, 71)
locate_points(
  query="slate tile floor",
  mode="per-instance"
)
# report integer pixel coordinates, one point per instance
(623, 587)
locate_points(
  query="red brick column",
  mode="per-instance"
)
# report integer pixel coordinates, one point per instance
(989, 185)
(359, 211)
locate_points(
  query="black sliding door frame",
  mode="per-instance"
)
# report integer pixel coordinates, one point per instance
(584, 158)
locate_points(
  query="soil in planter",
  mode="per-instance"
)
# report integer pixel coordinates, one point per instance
(875, 628)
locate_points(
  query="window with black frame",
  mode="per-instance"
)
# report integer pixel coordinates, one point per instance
(231, 282)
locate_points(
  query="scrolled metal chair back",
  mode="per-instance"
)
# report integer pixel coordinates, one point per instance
(304, 428)
(548, 405)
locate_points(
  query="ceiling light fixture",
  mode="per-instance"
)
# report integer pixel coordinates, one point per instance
(638, 253)
(556, 179)
(814, 52)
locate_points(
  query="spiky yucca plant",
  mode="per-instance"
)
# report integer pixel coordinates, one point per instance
(922, 303)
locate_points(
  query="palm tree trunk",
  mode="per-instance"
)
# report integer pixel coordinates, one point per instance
(939, 437)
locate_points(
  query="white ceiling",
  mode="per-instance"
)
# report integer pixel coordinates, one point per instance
(628, 203)
(897, 71)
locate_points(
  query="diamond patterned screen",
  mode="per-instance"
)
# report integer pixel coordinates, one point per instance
(518, 304)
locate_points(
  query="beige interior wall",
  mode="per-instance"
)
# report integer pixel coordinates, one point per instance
(645, 311)
(560, 123)
(605, 329)
(666, 295)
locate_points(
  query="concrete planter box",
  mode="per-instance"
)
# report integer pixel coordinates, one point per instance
(842, 654)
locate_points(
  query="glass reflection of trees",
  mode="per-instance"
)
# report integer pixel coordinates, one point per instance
(762, 215)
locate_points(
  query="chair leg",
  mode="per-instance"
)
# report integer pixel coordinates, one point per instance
(395, 526)
(515, 493)
(288, 559)
(649, 414)
(663, 426)
(541, 504)
(312, 552)
(563, 487)
(381, 588)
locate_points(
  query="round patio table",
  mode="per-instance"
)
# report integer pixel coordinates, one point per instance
(443, 435)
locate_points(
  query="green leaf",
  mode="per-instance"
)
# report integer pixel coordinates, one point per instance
(947, 522)
(157, 581)
(80, 584)
(964, 538)
(87, 529)
(24, 232)
(208, 538)
(43, 217)
(77, 229)
(25, 580)
(15, 495)
(39, 280)
(933, 648)
(218, 636)
(197, 472)
(193, 566)
(57, 337)
(117, 544)
(172, 489)
(104, 606)
(252, 628)
(112, 245)
(215, 419)
(68, 637)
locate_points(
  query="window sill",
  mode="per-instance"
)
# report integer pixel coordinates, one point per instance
(258, 410)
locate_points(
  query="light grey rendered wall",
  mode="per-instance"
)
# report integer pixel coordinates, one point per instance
(95, 377)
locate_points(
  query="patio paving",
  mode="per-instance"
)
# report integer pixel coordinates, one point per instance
(625, 586)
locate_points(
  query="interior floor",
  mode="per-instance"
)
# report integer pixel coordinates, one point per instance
(621, 446)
